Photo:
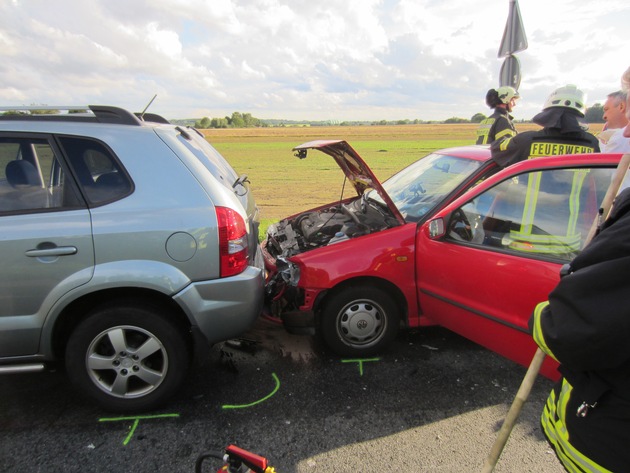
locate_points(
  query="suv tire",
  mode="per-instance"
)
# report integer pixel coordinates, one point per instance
(127, 357)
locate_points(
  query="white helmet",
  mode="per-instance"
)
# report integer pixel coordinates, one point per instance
(507, 93)
(568, 96)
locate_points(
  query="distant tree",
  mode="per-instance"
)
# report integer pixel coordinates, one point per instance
(237, 121)
(219, 123)
(594, 114)
(33, 111)
(203, 123)
(456, 120)
(477, 118)
(44, 111)
(250, 121)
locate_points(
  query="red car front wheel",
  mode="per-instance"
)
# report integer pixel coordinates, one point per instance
(359, 321)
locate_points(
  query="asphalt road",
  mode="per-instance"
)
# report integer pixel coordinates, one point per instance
(433, 403)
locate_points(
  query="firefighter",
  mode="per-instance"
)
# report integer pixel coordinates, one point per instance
(585, 325)
(562, 131)
(499, 124)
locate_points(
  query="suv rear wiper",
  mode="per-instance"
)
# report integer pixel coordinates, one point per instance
(240, 181)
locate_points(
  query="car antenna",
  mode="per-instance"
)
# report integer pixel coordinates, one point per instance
(148, 105)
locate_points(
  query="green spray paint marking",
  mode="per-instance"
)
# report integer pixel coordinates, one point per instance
(360, 361)
(136, 420)
(241, 406)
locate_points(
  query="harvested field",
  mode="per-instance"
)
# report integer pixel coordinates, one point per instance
(284, 185)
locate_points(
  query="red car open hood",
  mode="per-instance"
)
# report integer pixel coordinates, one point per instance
(353, 166)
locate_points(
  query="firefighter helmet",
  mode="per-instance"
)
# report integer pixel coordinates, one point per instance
(502, 95)
(507, 93)
(568, 96)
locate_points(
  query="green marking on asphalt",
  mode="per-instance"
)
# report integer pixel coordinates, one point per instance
(242, 406)
(360, 361)
(136, 420)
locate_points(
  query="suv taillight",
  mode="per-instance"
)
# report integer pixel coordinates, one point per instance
(232, 242)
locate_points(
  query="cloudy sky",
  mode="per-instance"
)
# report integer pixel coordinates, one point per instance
(303, 59)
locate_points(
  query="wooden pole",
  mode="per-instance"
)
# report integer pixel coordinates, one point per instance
(537, 361)
(515, 410)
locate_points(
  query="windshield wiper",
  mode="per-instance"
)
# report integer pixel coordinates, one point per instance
(376, 204)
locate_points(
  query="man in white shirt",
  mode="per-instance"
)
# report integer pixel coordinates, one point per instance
(612, 139)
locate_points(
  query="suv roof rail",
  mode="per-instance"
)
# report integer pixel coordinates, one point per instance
(84, 113)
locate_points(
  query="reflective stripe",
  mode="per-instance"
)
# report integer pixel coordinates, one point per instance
(531, 199)
(569, 243)
(505, 143)
(574, 198)
(484, 130)
(537, 332)
(506, 132)
(554, 424)
(547, 244)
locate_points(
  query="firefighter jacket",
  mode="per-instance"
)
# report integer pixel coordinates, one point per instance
(585, 325)
(561, 134)
(497, 126)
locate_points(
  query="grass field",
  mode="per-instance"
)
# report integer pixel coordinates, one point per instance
(284, 185)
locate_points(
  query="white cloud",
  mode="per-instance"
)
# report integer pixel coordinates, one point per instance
(164, 41)
(358, 59)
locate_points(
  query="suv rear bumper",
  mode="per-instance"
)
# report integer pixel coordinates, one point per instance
(224, 308)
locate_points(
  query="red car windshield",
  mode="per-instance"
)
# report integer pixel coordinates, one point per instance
(422, 185)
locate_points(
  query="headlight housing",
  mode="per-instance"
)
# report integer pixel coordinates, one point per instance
(290, 272)
(294, 274)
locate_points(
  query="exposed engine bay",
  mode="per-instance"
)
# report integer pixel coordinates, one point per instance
(314, 229)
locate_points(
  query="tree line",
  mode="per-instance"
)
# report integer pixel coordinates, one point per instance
(237, 120)
(594, 114)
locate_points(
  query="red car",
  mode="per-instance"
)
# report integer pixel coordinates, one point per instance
(449, 240)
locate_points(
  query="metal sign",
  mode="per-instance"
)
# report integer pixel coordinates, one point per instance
(510, 72)
(514, 39)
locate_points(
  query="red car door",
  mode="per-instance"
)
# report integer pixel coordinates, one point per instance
(477, 273)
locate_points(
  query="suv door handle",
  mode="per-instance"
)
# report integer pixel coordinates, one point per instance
(57, 251)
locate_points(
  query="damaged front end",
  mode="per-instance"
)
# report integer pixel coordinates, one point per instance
(309, 231)
(370, 211)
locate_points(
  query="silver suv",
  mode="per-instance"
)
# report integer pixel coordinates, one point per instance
(124, 241)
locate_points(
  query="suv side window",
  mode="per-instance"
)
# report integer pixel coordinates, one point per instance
(99, 173)
(31, 177)
(544, 213)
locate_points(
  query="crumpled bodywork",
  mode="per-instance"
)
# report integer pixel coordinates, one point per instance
(347, 219)
(326, 225)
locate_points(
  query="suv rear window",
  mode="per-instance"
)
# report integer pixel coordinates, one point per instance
(100, 176)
